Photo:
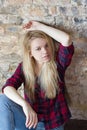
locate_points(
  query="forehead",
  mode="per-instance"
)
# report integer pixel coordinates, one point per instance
(38, 42)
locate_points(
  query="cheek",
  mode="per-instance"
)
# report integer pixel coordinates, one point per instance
(35, 55)
(50, 51)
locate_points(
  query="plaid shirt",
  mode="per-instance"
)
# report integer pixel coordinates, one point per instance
(54, 112)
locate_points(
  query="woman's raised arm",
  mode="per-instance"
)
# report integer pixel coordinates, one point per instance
(56, 34)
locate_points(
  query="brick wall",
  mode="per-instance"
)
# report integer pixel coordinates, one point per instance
(68, 15)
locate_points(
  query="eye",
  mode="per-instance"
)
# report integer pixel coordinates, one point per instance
(38, 49)
(46, 46)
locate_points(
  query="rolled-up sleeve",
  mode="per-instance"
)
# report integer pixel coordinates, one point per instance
(64, 55)
(16, 79)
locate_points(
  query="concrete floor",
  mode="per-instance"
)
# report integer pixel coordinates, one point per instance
(74, 124)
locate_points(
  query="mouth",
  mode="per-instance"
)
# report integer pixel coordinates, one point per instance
(46, 58)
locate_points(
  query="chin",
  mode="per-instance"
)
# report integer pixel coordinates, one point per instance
(47, 61)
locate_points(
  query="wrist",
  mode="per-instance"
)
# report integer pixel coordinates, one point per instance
(41, 27)
(24, 103)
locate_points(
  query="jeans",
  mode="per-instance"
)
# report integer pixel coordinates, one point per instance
(40, 126)
(12, 116)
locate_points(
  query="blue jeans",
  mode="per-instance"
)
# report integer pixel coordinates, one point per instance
(40, 126)
(12, 116)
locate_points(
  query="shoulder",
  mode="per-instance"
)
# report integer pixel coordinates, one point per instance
(64, 55)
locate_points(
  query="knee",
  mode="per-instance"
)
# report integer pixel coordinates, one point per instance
(3, 99)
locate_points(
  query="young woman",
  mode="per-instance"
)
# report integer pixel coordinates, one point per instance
(42, 72)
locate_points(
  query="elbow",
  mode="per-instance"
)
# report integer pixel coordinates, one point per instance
(68, 40)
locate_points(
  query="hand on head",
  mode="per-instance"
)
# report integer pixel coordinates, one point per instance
(32, 25)
(27, 25)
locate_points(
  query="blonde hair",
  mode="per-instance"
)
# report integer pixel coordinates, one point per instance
(48, 77)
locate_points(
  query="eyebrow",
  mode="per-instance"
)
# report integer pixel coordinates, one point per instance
(40, 46)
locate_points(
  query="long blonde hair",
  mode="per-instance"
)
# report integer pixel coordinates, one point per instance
(48, 77)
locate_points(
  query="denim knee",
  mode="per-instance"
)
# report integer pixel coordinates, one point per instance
(4, 99)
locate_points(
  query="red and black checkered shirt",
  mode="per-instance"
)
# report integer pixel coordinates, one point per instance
(54, 112)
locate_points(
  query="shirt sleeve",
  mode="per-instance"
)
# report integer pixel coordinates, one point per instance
(16, 79)
(64, 55)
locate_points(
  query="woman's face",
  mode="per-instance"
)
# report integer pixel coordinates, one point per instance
(40, 50)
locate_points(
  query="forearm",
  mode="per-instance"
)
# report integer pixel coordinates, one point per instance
(31, 115)
(12, 94)
(56, 34)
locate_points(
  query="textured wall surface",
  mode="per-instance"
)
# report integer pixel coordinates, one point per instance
(68, 15)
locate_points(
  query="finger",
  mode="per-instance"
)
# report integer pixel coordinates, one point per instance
(35, 122)
(27, 121)
(28, 25)
(31, 122)
(25, 26)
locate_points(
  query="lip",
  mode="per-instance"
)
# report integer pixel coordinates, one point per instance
(47, 57)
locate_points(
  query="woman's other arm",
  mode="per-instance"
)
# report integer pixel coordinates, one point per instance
(31, 116)
(12, 94)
